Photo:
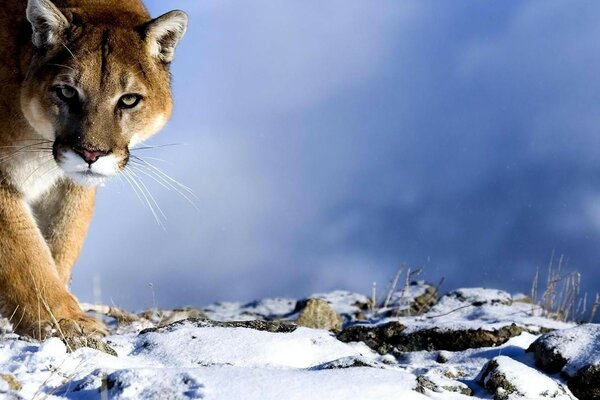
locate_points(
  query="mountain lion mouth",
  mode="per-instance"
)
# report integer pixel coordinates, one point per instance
(85, 172)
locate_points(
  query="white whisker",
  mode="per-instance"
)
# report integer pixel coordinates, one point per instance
(38, 168)
(141, 170)
(158, 170)
(128, 179)
(141, 182)
(69, 50)
(134, 181)
(159, 146)
(169, 182)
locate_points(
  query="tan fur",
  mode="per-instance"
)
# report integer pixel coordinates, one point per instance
(104, 49)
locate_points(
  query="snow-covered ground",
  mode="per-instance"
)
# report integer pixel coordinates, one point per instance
(203, 360)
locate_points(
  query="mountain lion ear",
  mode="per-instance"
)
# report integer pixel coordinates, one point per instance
(163, 33)
(47, 22)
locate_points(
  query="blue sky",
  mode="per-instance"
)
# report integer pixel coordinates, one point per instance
(329, 141)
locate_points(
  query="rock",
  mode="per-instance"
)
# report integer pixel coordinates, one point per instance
(349, 362)
(416, 299)
(456, 340)
(179, 314)
(425, 301)
(442, 357)
(478, 296)
(77, 342)
(424, 383)
(459, 388)
(381, 338)
(349, 306)
(507, 378)
(547, 356)
(586, 383)
(575, 352)
(259, 325)
(385, 337)
(318, 314)
(440, 384)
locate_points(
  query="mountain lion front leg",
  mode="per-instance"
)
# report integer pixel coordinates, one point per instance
(64, 216)
(31, 291)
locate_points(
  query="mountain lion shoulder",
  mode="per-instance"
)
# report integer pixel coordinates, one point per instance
(82, 82)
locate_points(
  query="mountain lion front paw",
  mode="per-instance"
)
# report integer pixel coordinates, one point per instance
(76, 326)
(75, 333)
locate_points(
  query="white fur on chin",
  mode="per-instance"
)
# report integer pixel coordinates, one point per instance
(83, 174)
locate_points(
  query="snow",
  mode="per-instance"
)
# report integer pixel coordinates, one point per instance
(342, 301)
(527, 381)
(476, 308)
(188, 360)
(217, 383)
(579, 346)
(216, 363)
(241, 347)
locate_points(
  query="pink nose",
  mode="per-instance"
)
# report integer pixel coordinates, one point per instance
(90, 156)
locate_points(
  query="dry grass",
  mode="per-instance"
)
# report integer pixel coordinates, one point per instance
(399, 286)
(562, 299)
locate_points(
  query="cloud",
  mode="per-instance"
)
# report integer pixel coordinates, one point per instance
(330, 141)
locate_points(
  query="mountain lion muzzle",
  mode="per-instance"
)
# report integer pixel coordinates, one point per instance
(83, 81)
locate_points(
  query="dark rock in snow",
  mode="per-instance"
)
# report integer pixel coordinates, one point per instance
(179, 314)
(586, 383)
(77, 342)
(349, 362)
(385, 337)
(318, 314)
(478, 297)
(456, 340)
(267, 326)
(381, 338)
(507, 378)
(575, 352)
(425, 383)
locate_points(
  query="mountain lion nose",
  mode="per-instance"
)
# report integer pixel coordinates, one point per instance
(90, 156)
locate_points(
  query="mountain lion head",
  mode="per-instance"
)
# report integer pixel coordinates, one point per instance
(98, 83)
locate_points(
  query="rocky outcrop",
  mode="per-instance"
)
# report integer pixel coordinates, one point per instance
(267, 326)
(439, 385)
(73, 343)
(507, 378)
(574, 352)
(318, 314)
(392, 336)
(479, 297)
(382, 338)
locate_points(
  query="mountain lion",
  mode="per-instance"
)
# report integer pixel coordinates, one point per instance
(82, 81)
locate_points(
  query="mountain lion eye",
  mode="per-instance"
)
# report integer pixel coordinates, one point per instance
(66, 93)
(129, 100)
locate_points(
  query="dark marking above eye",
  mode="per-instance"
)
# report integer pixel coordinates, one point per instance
(142, 72)
(105, 48)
